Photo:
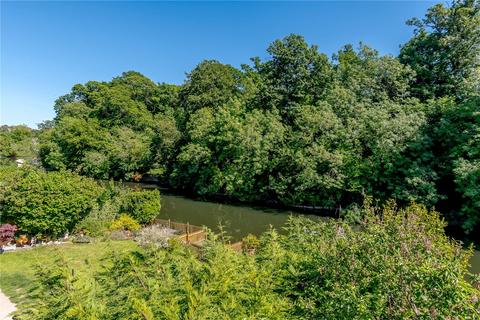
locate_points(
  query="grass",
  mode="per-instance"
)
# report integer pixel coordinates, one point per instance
(17, 269)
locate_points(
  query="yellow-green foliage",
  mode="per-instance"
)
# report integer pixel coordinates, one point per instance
(250, 242)
(18, 141)
(125, 222)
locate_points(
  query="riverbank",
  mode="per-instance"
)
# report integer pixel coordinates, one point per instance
(226, 199)
(274, 206)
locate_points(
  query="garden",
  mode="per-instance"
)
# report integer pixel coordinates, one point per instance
(392, 262)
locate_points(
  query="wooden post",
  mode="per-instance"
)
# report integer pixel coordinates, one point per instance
(188, 230)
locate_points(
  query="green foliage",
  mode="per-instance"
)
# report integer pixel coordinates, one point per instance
(143, 205)
(467, 178)
(18, 142)
(296, 74)
(107, 130)
(22, 282)
(211, 84)
(453, 152)
(444, 51)
(297, 127)
(46, 203)
(125, 222)
(250, 242)
(398, 265)
(97, 223)
(228, 152)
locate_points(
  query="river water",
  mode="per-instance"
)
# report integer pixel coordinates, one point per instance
(236, 220)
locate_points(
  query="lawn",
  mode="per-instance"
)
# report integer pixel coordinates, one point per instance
(17, 269)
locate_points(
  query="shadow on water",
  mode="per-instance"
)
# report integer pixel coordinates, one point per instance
(236, 220)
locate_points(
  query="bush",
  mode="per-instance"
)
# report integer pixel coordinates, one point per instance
(143, 205)
(250, 242)
(21, 240)
(399, 264)
(99, 220)
(7, 233)
(46, 203)
(155, 235)
(125, 222)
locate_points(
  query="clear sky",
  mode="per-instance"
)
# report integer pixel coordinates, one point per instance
(47, 47)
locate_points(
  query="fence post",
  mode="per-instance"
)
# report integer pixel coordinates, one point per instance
(188, 230)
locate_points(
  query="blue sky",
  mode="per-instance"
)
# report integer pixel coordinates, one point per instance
(47, 47)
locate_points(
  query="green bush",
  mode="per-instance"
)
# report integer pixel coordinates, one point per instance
(397, 265)
(99, 220)
(250, 242)
(143, 205)
(18, 141)
(46, 203)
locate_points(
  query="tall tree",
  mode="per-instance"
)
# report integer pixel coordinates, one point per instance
(445, 50)
(211, 84)
(296, 74)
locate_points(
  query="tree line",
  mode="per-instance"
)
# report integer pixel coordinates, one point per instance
(298, 127)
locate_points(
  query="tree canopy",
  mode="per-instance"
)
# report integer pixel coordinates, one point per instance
(297, 127)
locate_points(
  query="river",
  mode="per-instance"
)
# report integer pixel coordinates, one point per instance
(236, 220)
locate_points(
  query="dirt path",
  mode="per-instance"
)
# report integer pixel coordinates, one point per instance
(6, 307)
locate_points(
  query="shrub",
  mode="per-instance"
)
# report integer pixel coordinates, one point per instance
(7, 232)
(143, 205)
(125, 222)
(155, 235)
(22, 240)
(46, 203)
(398, 264)
(250, 242)
(99, 220)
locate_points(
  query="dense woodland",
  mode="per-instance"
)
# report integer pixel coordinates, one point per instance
(299, 127)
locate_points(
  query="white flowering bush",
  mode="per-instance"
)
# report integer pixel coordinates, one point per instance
(155, 235)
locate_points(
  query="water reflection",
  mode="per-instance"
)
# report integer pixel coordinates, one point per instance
(237, 221)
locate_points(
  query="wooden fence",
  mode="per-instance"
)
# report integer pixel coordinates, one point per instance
(191, 234)
(188, 233)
